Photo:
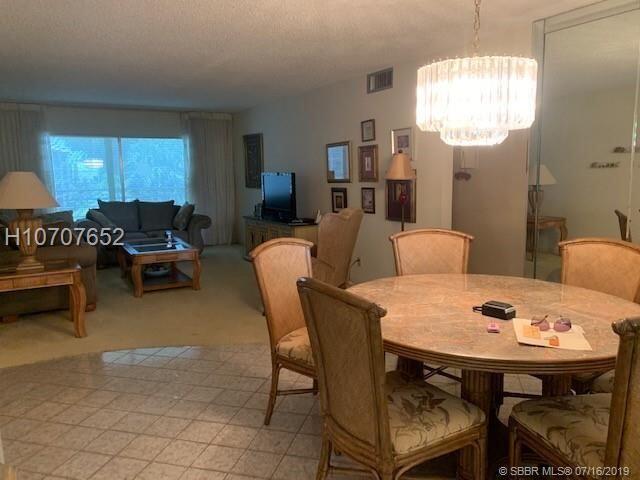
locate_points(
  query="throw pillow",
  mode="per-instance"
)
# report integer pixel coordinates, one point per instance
(123, 214)
(181, 220)
(100, 218)
(156, 215)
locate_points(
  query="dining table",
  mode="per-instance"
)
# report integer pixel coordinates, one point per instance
(430, 319)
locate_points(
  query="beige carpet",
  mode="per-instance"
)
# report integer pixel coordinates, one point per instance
(225, 311)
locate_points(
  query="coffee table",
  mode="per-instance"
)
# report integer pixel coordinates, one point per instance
(133, 256)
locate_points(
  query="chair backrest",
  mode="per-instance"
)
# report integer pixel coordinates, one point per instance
(347, 350)
(623, 221)
(430, 250)
(623, 448)
(602, 264)
(278, 264)
(337, 235)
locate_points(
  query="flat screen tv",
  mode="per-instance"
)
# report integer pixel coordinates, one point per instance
(279, 196)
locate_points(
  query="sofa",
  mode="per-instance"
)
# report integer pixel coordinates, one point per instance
(54, 298)
(141, 220)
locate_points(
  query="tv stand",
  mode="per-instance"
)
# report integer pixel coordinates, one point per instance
(258, 230)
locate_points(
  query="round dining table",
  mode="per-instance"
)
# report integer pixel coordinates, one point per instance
(430, 319)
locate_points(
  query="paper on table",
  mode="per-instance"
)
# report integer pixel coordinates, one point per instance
(574, 339)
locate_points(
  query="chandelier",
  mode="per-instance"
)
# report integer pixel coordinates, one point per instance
(476, 100)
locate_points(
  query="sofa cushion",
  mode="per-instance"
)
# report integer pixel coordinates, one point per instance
(131, 236)
(65, 216)
(84, 254)
(181, 220)
(123, 214)
(100, 218)
(156, 215)
(181, 234)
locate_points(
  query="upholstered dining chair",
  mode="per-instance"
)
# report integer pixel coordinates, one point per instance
(430, 250)
(278, 264)
(385, 422)
(608, 266)
(337, 236)
(623, 222)
(588, 431)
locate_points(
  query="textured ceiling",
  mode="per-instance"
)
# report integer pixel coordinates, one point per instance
(228, 55)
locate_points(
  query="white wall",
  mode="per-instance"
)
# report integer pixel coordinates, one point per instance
(296, 130)
(577, 130)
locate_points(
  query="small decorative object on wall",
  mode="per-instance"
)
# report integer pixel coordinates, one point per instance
(401, 201)
(368, 163)
(338, 199)
(253, 162)
(339, 162)
(368, 199)
(368, 130)
(402, 141)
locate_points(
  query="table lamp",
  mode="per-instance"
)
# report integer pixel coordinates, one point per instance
(23, 191)
(536, 194)
(400, 169)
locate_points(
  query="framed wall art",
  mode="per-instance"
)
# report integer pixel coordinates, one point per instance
(339, 162)
(368, 163)
(399, 192)
(368, 130)
(402, 140)
(338, 199)
(253, 161)
(368, 197)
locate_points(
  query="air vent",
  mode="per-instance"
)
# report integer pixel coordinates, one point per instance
(381, 80)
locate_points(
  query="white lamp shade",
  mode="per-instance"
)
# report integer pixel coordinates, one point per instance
(24, 191)
(546, 177)
(400, 168)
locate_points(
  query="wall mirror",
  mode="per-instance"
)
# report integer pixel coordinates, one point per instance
(338, 162)
(585, 147)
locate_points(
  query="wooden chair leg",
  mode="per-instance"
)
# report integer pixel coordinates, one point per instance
(275, 375)
(514, 449)
(315, 386)
(325, 459)
(480, 458)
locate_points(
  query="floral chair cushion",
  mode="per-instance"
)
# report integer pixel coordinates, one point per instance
(575, 426)
(421, 414)
(603, 383)
(296, 347)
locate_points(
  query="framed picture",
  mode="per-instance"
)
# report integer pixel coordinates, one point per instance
(395, 191)
(368, 130)
(338, 199)
(339, 162)
(368, 199)
(368, 163)
(253, 162)
(402, 140)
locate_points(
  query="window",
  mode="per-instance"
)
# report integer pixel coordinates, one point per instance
(86, 169)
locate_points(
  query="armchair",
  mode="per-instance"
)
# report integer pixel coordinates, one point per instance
(337, 235)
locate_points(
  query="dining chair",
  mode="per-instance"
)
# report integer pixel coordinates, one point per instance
(384, 421)
(608, 266)
(337, 236)
(623, 222)
(277, 265)
(587, 431)
(430, 250)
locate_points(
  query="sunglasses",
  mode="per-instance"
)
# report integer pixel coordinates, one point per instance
(560, 324)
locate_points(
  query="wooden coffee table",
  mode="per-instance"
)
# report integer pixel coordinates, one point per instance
(135, 255)
(55, 274)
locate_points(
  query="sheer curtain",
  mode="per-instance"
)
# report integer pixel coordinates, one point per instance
(22, 141)
(211, 185)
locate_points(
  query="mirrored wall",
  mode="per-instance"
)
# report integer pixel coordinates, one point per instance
(585, 145)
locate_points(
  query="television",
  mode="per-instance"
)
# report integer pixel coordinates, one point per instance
(279, 196)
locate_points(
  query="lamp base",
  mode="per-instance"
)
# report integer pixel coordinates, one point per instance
(25, 227)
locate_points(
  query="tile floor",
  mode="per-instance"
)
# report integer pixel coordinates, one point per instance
(187, 413)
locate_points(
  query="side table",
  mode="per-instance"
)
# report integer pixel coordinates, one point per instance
(544, 223)
(55, 274)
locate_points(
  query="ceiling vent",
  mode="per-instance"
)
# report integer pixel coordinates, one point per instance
(380, 80)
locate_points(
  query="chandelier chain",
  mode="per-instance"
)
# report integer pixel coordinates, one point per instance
(476, 28)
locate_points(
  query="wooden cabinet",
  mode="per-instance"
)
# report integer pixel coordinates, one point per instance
(258, 230)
